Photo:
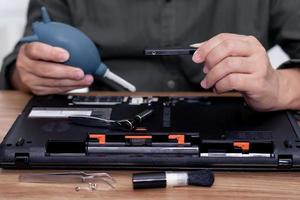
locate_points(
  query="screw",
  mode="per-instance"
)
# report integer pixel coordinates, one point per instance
(92, 186)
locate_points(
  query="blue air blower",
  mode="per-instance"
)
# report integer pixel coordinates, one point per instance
(83, 52)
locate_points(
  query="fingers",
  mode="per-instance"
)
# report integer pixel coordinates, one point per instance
(236, 81)
(239, 63)
(41, 51)
(47, 82)
(40, 90)
(204, 49)
(53, 70)
(224, 68)
(228, 48)
(38, 69)
(34, 58)
(42, 86)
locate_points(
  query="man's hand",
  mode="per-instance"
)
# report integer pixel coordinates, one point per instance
(240, 63)
(39, 70)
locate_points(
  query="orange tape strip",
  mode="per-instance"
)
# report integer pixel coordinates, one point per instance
(180, 138)
(245, 146)
(100, 137)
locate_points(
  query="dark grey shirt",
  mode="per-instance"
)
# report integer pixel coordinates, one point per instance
(122, 29)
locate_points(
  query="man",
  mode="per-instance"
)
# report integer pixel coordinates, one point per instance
(233, 34)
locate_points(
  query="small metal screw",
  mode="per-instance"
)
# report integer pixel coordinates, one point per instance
(92, 186)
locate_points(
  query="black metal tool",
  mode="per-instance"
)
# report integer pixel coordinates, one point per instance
(169, 52)
(124, 124)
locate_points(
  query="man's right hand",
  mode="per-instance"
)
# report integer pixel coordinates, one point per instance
(39, 70)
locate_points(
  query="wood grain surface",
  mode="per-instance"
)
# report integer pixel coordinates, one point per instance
(228, 185)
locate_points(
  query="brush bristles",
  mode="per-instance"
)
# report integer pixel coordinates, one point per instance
(201, 178)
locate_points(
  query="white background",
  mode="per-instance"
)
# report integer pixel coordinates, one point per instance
(12, 20)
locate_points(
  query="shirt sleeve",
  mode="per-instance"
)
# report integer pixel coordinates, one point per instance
(285, 26)
(58, 11)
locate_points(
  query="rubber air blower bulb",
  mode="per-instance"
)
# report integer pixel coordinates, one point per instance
(83, 52)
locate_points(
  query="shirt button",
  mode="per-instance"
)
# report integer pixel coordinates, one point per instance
(171, 84)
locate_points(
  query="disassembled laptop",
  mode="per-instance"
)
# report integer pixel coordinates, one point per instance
(150, 133)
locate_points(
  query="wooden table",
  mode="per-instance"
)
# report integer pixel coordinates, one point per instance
(228, 185)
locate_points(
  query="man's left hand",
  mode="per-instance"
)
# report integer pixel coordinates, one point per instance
(240, 63)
